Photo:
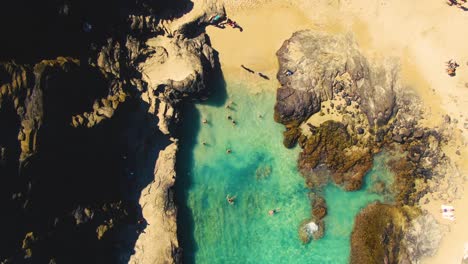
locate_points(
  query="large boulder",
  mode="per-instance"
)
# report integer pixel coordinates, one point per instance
(315, 66)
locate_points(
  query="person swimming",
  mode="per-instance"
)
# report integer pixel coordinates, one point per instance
(230, 199)
(274, 211)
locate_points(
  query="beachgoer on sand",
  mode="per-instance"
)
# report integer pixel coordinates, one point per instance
(217, 21)
(451, 67)
(234, 24)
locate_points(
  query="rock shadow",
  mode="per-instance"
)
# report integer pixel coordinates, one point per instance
(188, 133)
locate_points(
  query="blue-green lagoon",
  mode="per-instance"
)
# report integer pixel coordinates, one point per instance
(262, 174)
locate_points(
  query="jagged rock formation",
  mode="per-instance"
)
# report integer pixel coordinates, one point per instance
(55, 209)
(376, 238)
(331, 145)
(158, 243)
(422, 237)
(180, 66)
(343, 109)
(81, 131)
(394, 234)
(324, 65)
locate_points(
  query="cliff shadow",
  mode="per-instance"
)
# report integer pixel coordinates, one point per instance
(10, 182)
(101, 170)
(143, 142)
(188, 133)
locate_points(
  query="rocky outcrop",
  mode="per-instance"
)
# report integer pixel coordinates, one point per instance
(320, 65)
(378, 234)
(363, 109)
(331, 145)
(82, 131)
(394, 234)
(180, 67)
(158, 243)
(422, 237)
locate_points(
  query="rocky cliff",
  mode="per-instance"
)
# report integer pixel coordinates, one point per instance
(342, 108)
(79, 114)
(158, 243)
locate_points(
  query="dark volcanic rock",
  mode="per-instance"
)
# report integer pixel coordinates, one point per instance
(325, 64)
(295, 105)
(74, 125)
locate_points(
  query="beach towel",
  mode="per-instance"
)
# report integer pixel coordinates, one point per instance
(448, 212)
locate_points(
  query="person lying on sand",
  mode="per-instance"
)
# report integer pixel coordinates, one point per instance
(217, 21)
(458, 3)
(452, 67)
(230, 199)
(234, 24)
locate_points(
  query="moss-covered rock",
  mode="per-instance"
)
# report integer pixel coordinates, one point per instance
(291, 135)
(319, 207)
(378, 234)
(334, 147)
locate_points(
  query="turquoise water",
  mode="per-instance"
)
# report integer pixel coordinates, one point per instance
(262, 174)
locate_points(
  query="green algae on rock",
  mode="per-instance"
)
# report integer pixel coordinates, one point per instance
(378, 234)
(334, 147)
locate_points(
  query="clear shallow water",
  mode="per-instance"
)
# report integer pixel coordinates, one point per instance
(263, 176)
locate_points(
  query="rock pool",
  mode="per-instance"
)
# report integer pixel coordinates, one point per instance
(262, 174)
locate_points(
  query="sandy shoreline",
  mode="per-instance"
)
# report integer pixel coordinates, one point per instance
(422, 38)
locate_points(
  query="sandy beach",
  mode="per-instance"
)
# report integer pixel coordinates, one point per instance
(422, 36)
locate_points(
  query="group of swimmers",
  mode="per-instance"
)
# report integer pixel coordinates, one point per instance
(231, 199)
(229, 106)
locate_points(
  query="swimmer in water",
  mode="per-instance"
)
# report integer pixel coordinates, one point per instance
(230, 199)
(274, 211)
